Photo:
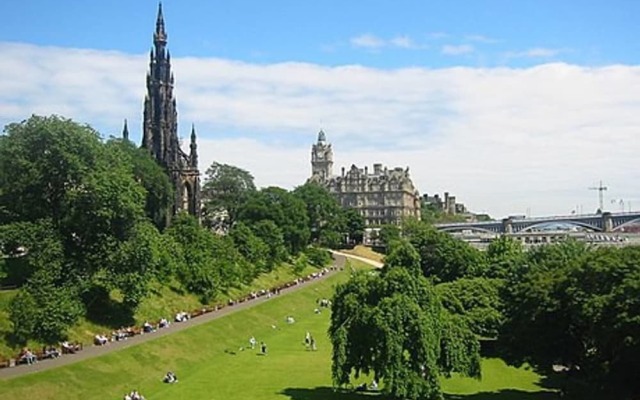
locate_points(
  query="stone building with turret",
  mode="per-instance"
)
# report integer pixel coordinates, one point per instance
(160, 127)
(381, 195)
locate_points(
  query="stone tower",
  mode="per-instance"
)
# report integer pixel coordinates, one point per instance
(321, 158)
(160, 127)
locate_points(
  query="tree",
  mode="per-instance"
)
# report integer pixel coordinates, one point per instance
(154, 179)
(477, 301)
(226, 187)
(393, 326)
(252, 248)
(286, 211)
(271, 235)
(54, 155)
(323, 211)
(198, 274)
(137, 261)
(354, 225)
(504, 256)
(578, 307)
(389, 233)
(441, 256)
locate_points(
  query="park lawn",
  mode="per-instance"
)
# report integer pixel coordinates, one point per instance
(164, 301)
(499, 382)
(213, 361)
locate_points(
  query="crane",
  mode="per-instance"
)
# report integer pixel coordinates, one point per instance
(600, 190)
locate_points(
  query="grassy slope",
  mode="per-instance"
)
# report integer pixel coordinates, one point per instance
(204, 360)
(164, 301)
(366, 252)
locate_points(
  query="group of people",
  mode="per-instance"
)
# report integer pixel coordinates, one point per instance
(122, 334)
(263, 345)
(170, 377)
(134, 395)
(70, 348)
(182, 316)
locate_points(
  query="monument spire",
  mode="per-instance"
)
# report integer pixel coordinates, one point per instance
(160, 127)
(125, 131)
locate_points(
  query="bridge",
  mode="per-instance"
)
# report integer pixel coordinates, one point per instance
(604, 222)
(610, 229)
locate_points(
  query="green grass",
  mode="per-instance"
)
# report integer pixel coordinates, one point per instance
(499, 381)
(366, 252)
(211, 365)
(163, 301)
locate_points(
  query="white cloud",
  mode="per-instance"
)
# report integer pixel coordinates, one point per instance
(536, 52)
(481, 39)
(438, 35)
(367, 41)
(502, 140)
(372, 42)
(455, 50)
(403, 41)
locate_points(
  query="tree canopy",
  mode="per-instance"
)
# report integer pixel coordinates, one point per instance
(226, 188)
(578, 307)
(393, 326)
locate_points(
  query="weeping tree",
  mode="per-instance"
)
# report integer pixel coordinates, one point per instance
(393, 326)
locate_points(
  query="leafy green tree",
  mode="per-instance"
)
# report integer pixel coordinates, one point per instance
(579, 307)
(137, 262)
(47, 304)
(196, 243)
(323, 210)
(43, 310)
(286, 211)
(393, 326)
(154, 179)
(318, 257)
(226, 187)
(271, 235)
(354, 225)
(54, 155)
(477, 301)
(504, 256)
(441, 256)
(252, 248)
(300, 263)
(389, 233)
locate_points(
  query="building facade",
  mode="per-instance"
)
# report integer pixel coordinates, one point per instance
(448, 204)
(381, 195)
(160, 127)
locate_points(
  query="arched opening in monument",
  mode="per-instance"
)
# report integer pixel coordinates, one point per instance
(187, 204)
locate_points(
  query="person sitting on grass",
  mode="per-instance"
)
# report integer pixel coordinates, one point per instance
(134, 395)
(170, 377)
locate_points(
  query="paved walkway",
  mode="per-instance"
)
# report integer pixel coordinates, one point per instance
(91, 351)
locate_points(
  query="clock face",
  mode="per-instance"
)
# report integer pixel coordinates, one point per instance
(320, 156)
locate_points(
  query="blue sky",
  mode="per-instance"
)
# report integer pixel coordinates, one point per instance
(392, 34)
(514, 107)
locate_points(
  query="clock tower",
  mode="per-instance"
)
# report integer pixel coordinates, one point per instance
(322, 158)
